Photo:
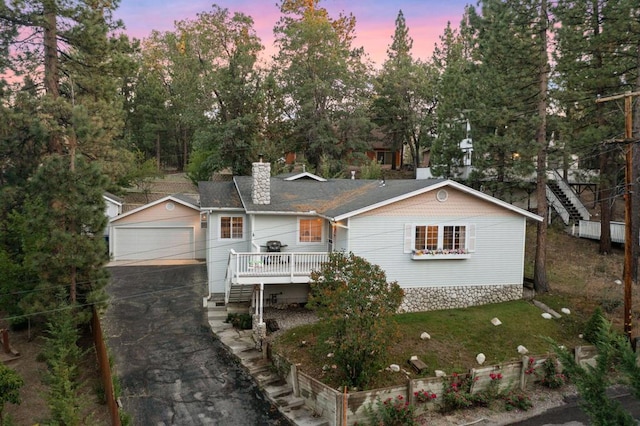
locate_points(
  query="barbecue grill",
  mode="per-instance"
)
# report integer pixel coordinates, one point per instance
(274, 246)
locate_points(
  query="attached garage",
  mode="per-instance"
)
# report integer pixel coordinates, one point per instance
(167, 229)
(132, 243)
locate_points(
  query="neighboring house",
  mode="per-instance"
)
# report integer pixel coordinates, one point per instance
(113, 204)
(113, 208)
(170, 228)
(447, 245)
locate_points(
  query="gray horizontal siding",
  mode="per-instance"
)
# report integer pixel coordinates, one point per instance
(498, 258)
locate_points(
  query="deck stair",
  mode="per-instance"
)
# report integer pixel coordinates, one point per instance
(571, 208)
(240, 293)
(241, 344)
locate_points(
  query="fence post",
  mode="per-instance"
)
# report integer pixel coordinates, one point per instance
(105, 369)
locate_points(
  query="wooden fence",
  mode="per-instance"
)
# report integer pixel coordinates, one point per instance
(105, 369)
(344, 409)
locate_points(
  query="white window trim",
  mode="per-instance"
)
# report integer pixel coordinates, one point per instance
(322, 232)
(244, 227)
(469, 244)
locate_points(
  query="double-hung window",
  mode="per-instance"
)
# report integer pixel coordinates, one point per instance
(231, 227)
(310, 230)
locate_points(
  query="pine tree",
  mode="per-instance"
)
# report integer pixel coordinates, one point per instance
(456, 99)
(326, 81)
(63, 234)
(405, 100)
(596, 56)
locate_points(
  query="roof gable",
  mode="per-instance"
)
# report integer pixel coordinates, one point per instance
(177, 198)
(113, 198)
(306, 175)
(434, 187)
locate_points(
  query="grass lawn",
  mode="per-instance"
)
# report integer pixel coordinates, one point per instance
(579, 278)
(457, 336)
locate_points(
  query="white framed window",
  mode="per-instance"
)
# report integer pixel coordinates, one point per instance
(439, 238)
(231, 227)
(310, 230)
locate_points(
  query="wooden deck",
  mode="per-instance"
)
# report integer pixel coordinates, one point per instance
(273, 268)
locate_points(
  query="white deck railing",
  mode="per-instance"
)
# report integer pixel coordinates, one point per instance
(275, 264)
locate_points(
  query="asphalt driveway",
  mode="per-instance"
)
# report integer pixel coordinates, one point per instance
(171, 368)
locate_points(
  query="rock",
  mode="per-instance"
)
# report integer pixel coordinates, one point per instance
(425, 336)
(394, 367)
(481, 358)
(547, 315)
(496, 321)
(522, 350)
(330, 355)
(565, 311)
(618, 282)
(440, 373)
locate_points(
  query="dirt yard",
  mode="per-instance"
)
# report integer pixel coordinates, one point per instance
(33, 409)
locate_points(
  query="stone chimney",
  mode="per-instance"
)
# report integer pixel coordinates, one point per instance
(261, 186)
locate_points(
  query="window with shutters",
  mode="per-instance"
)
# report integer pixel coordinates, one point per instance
(436, 241)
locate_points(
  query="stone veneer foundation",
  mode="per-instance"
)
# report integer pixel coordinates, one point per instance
(436, 298)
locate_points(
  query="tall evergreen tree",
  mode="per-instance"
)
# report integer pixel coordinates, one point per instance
(513, 73)
(201, 87)
(63, 235)
(456, 99)
(324, 81)
(69, 52)
(596, 56)
(405, 100)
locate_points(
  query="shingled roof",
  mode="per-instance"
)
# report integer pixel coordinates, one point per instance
(332, 198)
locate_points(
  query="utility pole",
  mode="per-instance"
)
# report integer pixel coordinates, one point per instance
(628, 235)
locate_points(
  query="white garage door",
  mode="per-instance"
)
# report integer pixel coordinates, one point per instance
(153, 243)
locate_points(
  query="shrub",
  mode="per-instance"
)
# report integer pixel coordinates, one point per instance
(490, 393)
(392, 412)
(550, 377)
(593, 326)
(240, 321)
(371, 170)
(10, 384)
(424, 396)
(456, 393)
(516, 399)
(354, 296)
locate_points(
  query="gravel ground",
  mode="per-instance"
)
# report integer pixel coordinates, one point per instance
(543, 399)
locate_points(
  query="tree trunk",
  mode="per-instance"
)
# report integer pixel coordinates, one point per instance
(635, 175)
(51, 77)
(158, 152)
(605, 196)
(540, 282)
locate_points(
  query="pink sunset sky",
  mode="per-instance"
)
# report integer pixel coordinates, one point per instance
(375, 19)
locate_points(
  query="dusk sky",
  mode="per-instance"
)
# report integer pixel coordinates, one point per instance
(375, 19)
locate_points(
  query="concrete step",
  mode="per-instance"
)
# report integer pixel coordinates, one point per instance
(289, 402)
(217, 316)
(266, 378)
(274, 391)
(249, 354)
(258, 366)
(305, 417)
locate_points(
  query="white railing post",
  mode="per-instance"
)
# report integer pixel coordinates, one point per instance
(261, 302)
